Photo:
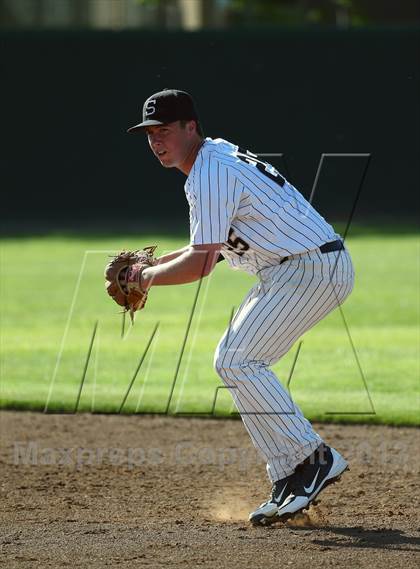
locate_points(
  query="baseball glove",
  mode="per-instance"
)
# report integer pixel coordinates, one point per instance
(122, 278)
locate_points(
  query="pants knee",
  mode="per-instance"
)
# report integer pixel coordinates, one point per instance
(224, 364)
(232, 365)
(218, 363)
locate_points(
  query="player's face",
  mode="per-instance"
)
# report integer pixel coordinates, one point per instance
(171, 143)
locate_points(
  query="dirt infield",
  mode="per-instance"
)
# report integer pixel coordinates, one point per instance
(140, 491)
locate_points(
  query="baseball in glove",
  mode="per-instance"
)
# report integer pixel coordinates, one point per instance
(123, 278)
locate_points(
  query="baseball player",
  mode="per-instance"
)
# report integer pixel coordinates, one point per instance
(243, 210)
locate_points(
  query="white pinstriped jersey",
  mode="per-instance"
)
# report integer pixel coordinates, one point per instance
(238, 200)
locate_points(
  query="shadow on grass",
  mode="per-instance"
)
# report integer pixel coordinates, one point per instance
(175, 227)
(67, 408)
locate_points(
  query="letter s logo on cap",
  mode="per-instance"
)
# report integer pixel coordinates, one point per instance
(150, 107)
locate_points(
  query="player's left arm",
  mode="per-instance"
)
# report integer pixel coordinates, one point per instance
(196, 262)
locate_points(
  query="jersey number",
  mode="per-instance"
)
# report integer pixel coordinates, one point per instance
(263, 167)
(236, 244)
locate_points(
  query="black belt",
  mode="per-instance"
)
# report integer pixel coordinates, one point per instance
(325, 248)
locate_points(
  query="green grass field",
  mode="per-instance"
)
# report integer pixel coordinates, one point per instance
(52, 293)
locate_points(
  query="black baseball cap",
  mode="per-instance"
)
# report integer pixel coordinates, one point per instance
(167, 106)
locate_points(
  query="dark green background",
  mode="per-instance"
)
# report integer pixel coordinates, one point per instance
(68, 97)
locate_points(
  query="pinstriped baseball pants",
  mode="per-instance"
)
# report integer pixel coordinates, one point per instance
(286, 302)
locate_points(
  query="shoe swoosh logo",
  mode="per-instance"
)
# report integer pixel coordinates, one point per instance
(309, 489)
(278, 498)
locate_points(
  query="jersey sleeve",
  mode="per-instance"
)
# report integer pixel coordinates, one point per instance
(214, 200)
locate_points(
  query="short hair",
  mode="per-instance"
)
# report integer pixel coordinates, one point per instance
(198, 126)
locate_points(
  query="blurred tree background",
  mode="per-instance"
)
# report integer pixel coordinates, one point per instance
(200, 14)
(336, 76)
